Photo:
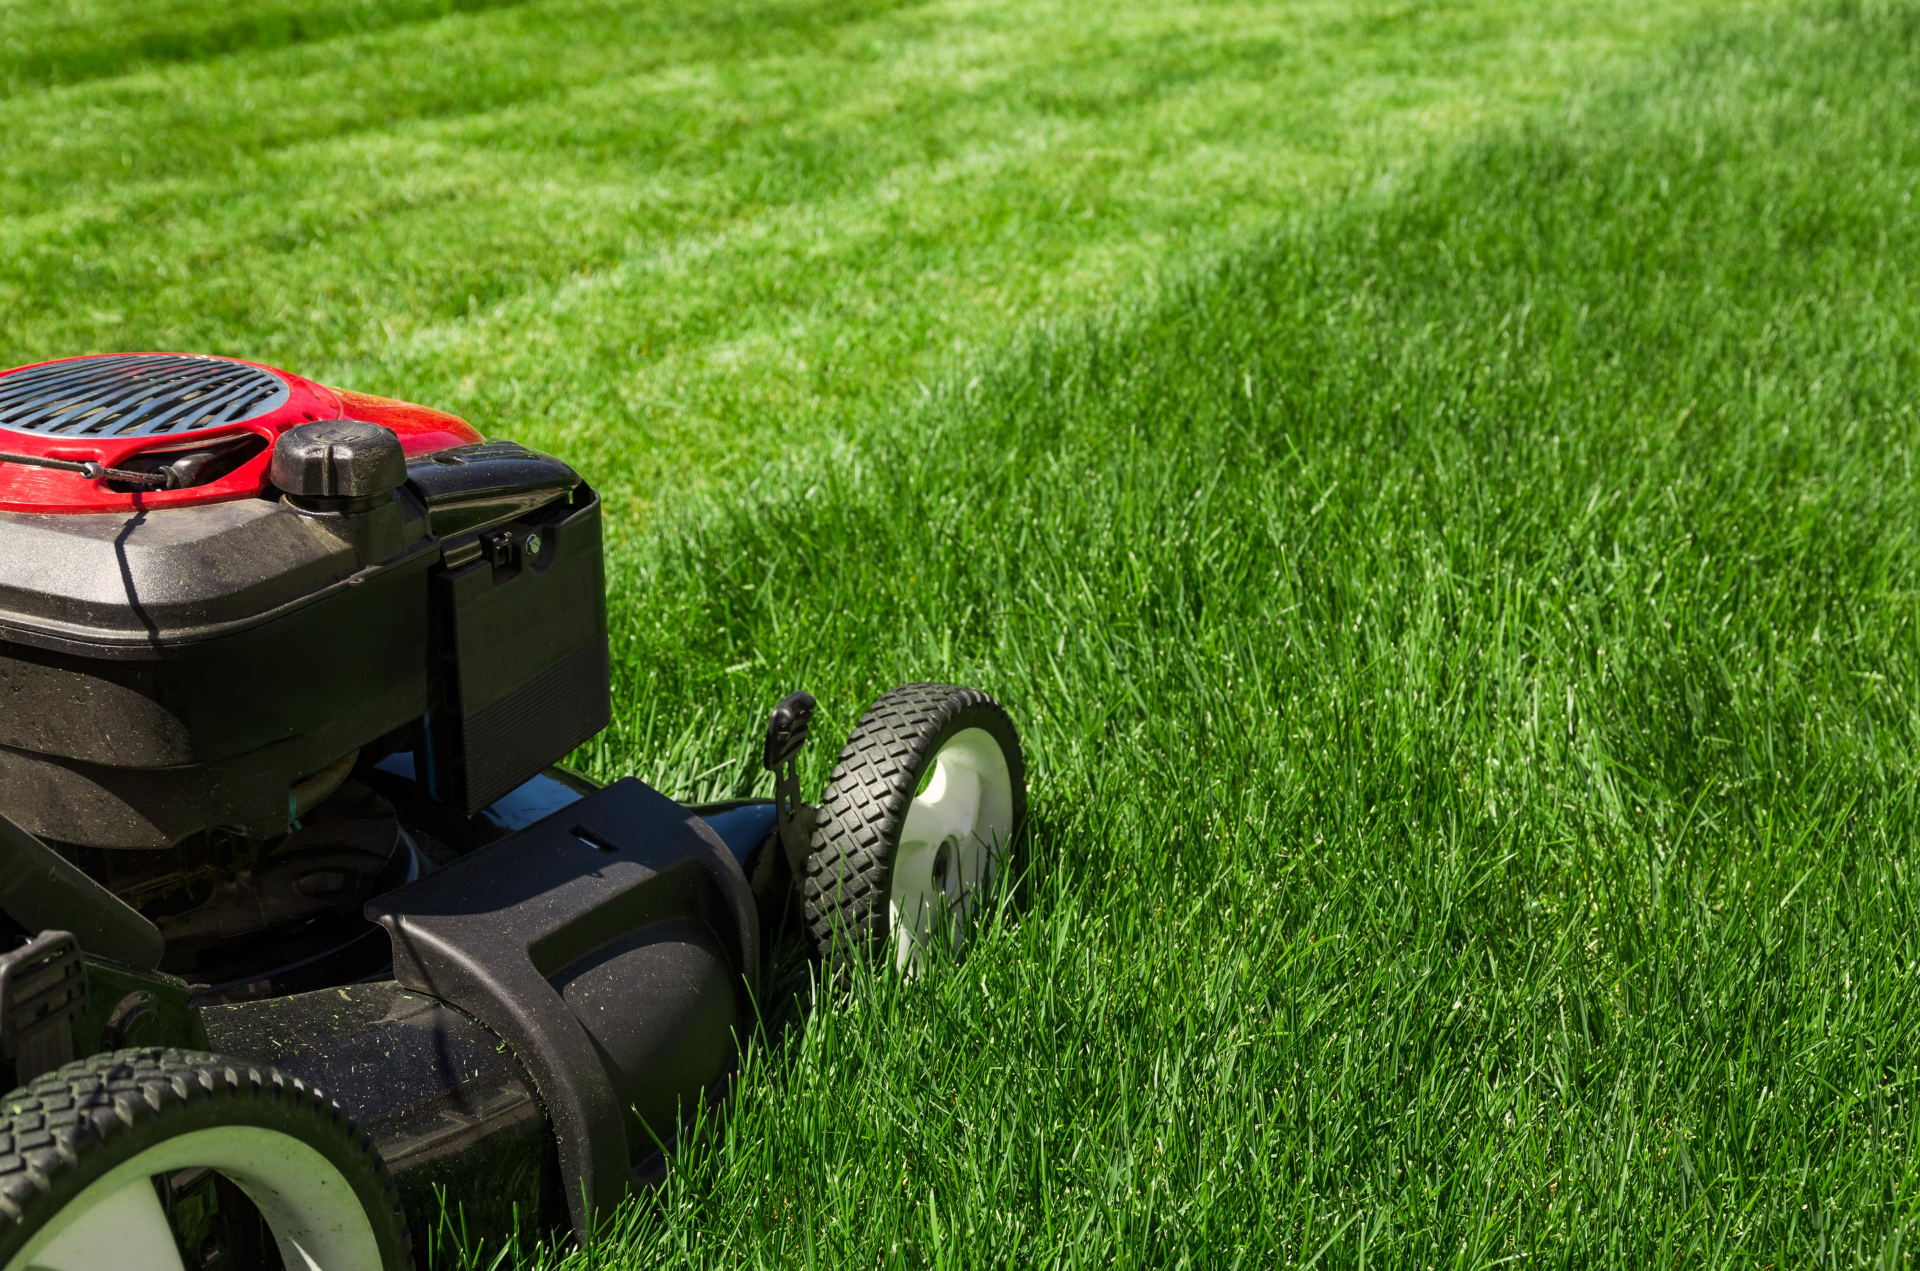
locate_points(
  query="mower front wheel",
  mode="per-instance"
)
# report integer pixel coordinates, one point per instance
(161, 1160)
(922, 814)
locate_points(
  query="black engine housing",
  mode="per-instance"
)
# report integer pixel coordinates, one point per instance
(174, 671)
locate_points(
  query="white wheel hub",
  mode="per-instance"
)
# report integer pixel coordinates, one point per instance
(955, 834)
(118, 1223)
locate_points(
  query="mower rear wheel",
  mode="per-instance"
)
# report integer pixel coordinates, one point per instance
(921, 816)
(162, 1160)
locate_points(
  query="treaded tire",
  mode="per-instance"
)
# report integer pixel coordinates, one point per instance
(849, 869)
(68, 1128)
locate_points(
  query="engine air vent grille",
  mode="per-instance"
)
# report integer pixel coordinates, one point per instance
(136, 395)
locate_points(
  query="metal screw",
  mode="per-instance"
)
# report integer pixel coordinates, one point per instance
(533, 544)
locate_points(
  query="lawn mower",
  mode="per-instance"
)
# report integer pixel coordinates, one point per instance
(304, 935)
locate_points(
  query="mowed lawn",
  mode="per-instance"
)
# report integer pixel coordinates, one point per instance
(1468, 644)
(1445, 523)
(671, 236)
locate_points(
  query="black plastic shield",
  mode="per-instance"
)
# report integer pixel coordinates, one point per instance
(611, 945)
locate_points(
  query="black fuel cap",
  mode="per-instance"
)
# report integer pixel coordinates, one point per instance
(337, 461)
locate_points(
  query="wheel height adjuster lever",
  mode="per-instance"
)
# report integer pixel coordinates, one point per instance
(786, 734)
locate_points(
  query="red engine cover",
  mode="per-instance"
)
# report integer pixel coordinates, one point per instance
(114, 407)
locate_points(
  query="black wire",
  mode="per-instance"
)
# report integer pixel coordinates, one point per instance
(90, 470)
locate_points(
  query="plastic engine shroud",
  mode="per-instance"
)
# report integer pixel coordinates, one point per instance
(119, 408)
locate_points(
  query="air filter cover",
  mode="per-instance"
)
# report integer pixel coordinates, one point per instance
(137, 395)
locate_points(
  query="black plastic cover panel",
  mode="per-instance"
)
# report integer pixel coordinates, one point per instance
(101, 583)
(602, 943)
(468, 487)
(524, 676)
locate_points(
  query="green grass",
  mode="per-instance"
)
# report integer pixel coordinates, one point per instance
(1464, 631)
(670, 238)
(1467, 645)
